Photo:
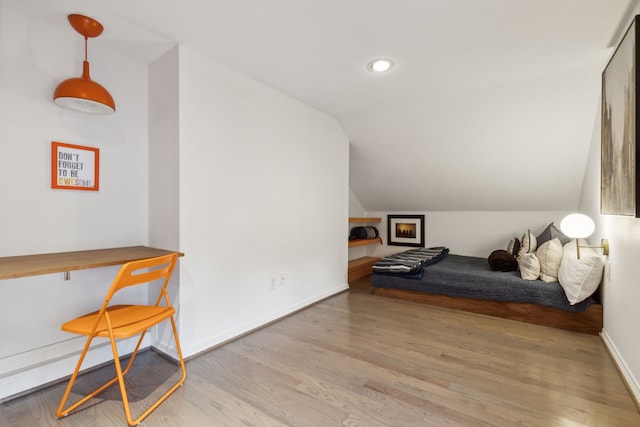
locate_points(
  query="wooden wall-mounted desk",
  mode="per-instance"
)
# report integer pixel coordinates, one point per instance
(32, 265)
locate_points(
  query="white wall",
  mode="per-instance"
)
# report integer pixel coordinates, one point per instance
(471, 233)
(355, 207)
(164, 178)
(500, 148)
(263, 190)
(620, 289)
(248, 182)
(164, 134)
(34, 57)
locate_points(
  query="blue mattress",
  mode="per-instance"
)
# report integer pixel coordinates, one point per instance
(471, 277)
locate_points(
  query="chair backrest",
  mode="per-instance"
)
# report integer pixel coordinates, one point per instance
(144, 271)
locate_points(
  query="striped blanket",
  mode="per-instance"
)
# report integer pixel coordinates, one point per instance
(411, 262)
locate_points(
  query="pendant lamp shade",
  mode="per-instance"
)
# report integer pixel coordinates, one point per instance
(82, 93)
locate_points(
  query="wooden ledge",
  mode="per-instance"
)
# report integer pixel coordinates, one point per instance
(32, 265)
(361, 267)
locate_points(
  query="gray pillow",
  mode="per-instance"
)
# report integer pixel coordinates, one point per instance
(550, 233)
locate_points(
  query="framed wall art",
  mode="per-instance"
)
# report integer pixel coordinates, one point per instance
(619, 175)
(74, 167)
(405, 230)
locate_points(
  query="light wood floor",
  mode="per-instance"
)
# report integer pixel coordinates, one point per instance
(360, 360)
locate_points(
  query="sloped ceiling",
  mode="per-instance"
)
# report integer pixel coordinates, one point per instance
(491, 104)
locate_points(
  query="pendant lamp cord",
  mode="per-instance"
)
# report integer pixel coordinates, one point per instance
(86, 40)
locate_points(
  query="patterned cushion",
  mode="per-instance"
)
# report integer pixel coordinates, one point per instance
(528, 243)
(550, 255)
(529, 266)
(514, 246)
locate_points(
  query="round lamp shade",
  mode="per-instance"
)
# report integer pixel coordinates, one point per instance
(577, 226)
(83, 94)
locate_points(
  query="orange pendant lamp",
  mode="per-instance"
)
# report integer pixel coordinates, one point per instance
(82, 93)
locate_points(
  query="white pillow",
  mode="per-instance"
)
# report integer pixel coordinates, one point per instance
(528, 243)
(529, 266)
(514, 246)
(550, 254)
(580, 277)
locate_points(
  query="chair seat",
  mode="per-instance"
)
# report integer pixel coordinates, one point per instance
(126, 320)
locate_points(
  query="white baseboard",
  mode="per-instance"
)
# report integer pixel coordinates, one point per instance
(35, 368)
(219, 339)
(630, 380)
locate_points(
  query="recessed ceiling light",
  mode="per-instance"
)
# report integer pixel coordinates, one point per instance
(379, 65)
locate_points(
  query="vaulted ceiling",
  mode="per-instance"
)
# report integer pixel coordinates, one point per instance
(491, 104)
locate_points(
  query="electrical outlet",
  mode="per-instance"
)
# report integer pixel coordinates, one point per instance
(272, 283)
(283, 278)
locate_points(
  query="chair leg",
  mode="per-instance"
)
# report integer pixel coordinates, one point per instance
(64, 412)
(133, 355)
(120, 377)
(61, 411)
(179, 350)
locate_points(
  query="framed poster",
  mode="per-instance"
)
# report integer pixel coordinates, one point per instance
(618, 172)
(74, 167)
(405, 230)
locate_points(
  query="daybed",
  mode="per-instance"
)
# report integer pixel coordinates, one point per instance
(468, 283)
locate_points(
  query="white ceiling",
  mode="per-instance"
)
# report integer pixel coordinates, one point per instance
(490, 106)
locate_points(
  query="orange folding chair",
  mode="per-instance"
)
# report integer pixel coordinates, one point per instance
(125, 321)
